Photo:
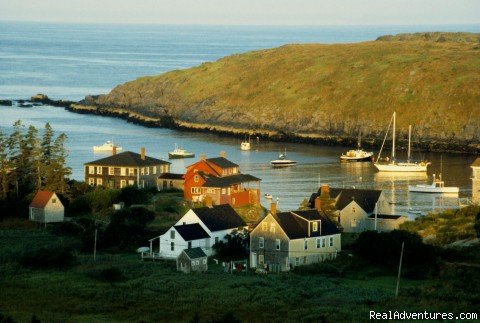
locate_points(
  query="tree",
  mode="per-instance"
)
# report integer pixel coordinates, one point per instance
(56, 171)
(477, 224)
(234, 247)
(4, 166)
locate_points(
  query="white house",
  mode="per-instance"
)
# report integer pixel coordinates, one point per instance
(46, 207)
(476, 181)
(200, 227)
(356, 208)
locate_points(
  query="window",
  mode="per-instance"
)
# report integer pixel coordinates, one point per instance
(193, 262)
(323, 243)
(131, 182)
(297, 261)
(264, 226)
(204, 261)
(277, 244)
(261, 259)
(315, 226)
(235, 170)
(196, 178)
(223, 191)
(318, 243)
(196, 190)
(330, 241)
(99, 181)
(272, 227)
(111, 171)
(197, 262)
(123, 171)
(99, 170)
(353, 209)
(54, 200)
(261, 242)
(172, 234)
(154, 168)
(305, 244)
(172, 246)
(142, 172)
(189, 245)
(91, 170)
(353, 223)
(131, 171)
(147, 170)
(91, 181)
(123, 183)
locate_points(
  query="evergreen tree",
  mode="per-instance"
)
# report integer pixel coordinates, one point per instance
(32, 153)
(4, 166)
(57, 170)
(15, 142)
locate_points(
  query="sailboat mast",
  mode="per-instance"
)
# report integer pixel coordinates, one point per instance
(359, 138)
(393, 138)
(409, 137)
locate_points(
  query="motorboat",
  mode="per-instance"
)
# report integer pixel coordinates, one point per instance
(268, 196)
(391, 165)
(357, 154)
(107, 146)
(178, 153)
(245, 145)
(415, 212)
(282, 161)
(437, 186)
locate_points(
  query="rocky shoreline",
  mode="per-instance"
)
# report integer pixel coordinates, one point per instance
(85, 107)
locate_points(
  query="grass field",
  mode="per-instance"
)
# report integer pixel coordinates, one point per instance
(154, 291)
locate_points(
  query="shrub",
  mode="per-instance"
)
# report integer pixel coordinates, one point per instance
(325, 268)
(55, 257)
(109, 274)
(133, 195)
(234, 247)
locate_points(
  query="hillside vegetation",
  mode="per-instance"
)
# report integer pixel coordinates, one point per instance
(327, 92)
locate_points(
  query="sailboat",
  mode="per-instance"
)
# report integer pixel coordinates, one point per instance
(357, 154)
(391, 165)
(245, 145)
(282, 161)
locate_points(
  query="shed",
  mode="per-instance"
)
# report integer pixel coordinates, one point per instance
(46, 207)
(193, 259)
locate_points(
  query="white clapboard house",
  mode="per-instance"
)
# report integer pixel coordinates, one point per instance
(46, 207)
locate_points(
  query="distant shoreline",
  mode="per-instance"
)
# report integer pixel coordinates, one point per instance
(275, 136)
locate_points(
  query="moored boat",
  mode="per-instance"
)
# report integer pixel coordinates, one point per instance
(357, 154)
(107, 146)
(282, 161)
(245, 145)
(178, 153)
(437, 186)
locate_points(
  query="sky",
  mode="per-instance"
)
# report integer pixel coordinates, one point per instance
(245, 12)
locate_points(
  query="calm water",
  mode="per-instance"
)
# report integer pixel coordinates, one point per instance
(70, 61)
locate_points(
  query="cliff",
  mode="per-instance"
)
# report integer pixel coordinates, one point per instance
(326, 92)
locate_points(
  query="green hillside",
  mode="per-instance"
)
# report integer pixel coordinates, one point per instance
(324, 91)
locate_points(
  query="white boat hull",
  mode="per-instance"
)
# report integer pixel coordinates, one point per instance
(430, 189)
(282, 163)
(401, 167)
(357, 155)
(245, 146)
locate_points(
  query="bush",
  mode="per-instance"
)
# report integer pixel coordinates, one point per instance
(109, 274)
(327, 269)
(133, 195)
(55, 257)
(234, 247)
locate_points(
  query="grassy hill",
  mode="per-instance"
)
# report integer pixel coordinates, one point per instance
(327, 92)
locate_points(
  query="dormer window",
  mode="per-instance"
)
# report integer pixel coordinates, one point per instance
(315, 226)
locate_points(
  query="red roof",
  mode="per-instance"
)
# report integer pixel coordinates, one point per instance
(41, 199)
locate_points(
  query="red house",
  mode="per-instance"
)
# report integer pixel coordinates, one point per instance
(220, 180)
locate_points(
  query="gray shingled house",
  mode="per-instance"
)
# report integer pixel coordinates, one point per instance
(193, 259)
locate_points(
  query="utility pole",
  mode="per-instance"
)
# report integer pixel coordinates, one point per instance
(95, 246)
(376, 215)
(399, 270)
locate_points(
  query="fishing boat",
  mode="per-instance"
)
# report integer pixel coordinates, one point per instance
(437, 186)
(268, 196)
(358, 154)
(415, 212)
(106, 147)
(178, 153)
(282, 161)
(245, 145)
(391, 164)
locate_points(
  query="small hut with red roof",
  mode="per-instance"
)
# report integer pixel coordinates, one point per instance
(46, 207)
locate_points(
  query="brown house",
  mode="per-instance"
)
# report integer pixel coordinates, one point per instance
(124, 169)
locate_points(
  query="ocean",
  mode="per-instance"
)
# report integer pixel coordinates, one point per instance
(68, 61)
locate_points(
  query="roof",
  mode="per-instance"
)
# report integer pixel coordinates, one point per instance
(365, 198)
(385, 216)
(41, 199)
(476, 163)
(226, 181)
(219, 217)
(309, 214)
(171, 176)
(297, 228)
(191, 232)
(194, 253)
(127, 159)
(221, 162)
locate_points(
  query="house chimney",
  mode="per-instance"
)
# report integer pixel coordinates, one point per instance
(324, 189)
(273, 208)
(223, 154)
(142, 153)
(318, 203)
(114, 150)
(208, 201)
(203, 157)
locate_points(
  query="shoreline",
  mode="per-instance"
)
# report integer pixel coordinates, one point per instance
(437, 146)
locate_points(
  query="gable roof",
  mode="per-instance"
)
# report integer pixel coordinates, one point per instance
(226, 181)
(194, 253)
(191, 232)
(297, 228)
(221, 162)
(219, 217)
(128, 159)
(476, 163)
(365, 198)
(41, 199)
